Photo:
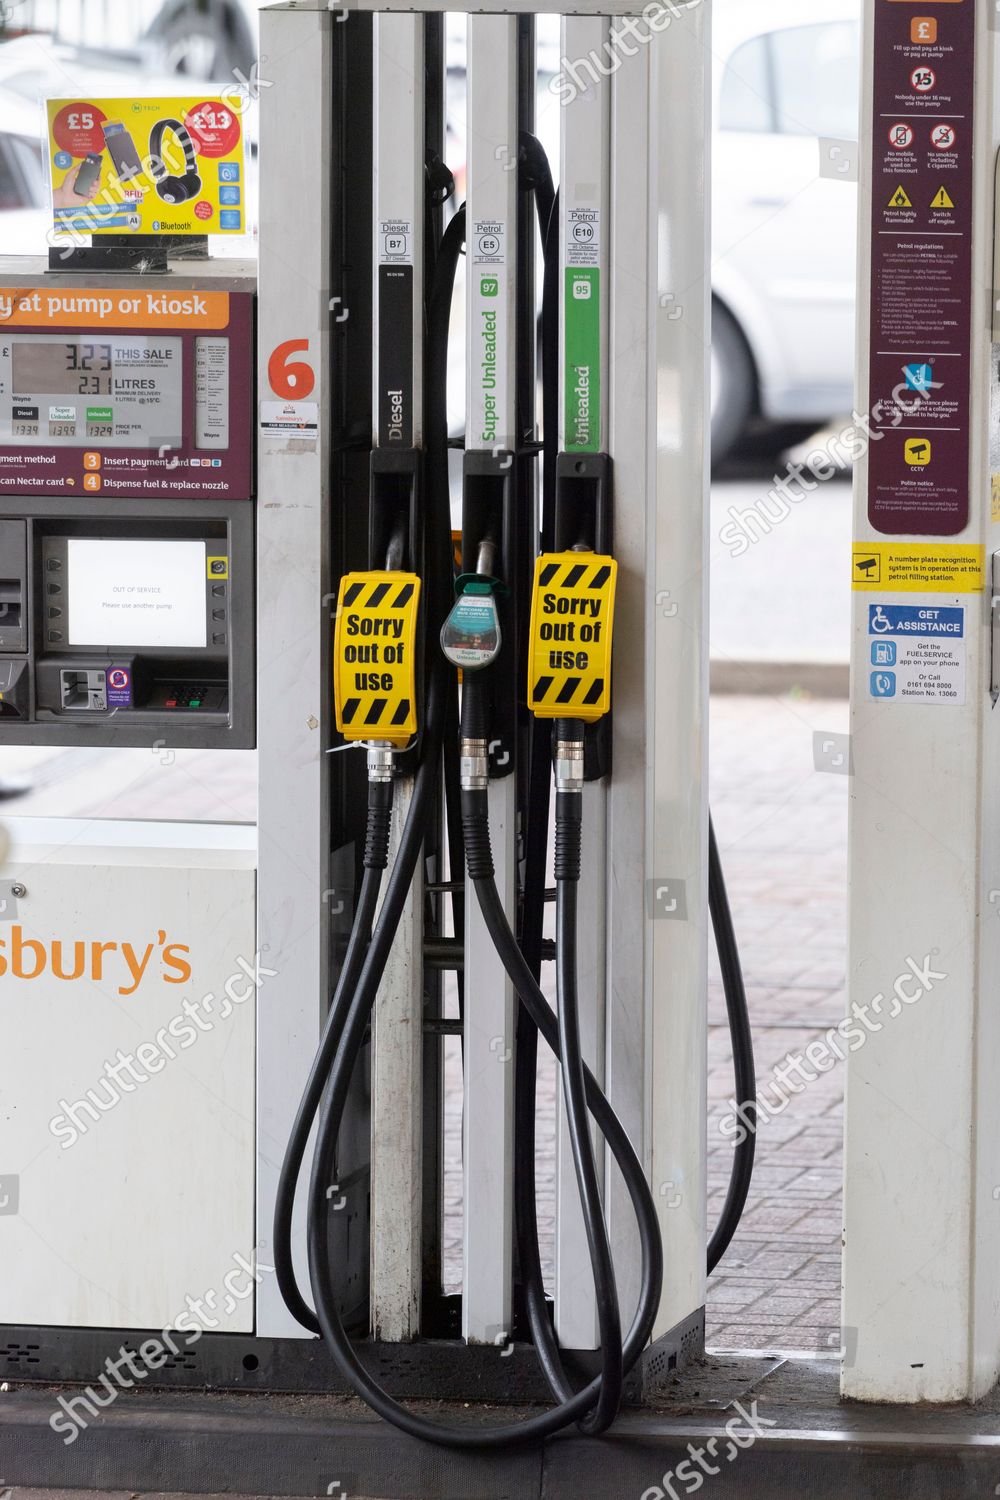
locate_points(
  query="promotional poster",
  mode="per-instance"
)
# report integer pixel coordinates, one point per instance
(146, 166)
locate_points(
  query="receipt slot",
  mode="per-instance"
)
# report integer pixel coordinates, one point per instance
(126, 508)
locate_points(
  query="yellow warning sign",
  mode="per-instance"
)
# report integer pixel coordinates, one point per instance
(572, 621)
(900, 198)
(918, 567)
(375, 657)
(918, 452)
(942, 199)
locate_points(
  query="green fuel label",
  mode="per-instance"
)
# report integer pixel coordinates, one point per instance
(583, 360)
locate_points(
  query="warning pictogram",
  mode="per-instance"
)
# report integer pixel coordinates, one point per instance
(917, 451)
(900, 198)
(572, 620)
(867, 565)
(942, 199)
(375, 652)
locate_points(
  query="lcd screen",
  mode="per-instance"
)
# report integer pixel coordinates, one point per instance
(130, 593)
(57, 369)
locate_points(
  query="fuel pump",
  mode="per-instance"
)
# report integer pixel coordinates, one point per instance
(422, 719)
(530, 635)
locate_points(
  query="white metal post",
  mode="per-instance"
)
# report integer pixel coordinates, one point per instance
(657, 820)
(397, 1053)
(674, 612)
(922, 1174)
(491, 327)
(584, 232)
(294, 624)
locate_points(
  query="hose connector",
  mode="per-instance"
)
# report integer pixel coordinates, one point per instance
(475, 766)
(379, 764)
(569, 765)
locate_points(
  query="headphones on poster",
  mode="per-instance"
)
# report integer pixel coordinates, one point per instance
(173, 189)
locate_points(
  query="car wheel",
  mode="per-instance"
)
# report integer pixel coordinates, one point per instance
(200, 44)
(734, 386)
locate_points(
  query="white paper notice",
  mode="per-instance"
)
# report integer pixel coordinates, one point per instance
(136, 593)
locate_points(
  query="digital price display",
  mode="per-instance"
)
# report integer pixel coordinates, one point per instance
(124, 391)
(131, 392)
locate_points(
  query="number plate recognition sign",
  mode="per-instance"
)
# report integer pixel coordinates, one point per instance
(130, 393)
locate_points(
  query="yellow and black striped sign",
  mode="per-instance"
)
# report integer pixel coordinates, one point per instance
(375, 657)
(572, 621)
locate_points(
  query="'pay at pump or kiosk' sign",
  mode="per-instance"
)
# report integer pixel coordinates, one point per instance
(146, 166)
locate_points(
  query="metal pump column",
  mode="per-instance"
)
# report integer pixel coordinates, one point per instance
(398, 347)
(585, 169)
(491, 436)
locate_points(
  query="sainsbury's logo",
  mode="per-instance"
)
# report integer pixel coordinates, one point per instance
(123, 965)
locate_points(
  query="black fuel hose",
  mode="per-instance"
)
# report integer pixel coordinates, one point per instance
(569, 845)
(743, 1059)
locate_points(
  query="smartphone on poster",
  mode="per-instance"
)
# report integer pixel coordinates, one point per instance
(88, 176)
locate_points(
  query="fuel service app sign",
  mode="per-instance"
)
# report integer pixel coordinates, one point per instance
(147, 166)
(921, 299)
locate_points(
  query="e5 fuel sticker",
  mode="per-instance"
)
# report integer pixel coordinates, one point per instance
(916, 653)
(583, 359)
(488, 247)
(921, 298)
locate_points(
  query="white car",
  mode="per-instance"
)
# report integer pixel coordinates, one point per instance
(23, 191)
(783, 237)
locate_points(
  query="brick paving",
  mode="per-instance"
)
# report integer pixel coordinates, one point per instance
(782, 831)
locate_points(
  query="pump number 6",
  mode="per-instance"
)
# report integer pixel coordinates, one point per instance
(291, 379)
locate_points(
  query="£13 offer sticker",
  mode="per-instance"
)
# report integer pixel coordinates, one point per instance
(214, 127)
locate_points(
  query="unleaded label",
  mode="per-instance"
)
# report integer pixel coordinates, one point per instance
(583, 360)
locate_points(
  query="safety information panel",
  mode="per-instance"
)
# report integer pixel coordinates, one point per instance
(921, 297)
(375, 657)
(572, 619)
(916, 653)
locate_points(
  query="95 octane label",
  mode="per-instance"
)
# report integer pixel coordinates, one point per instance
(917, 653)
